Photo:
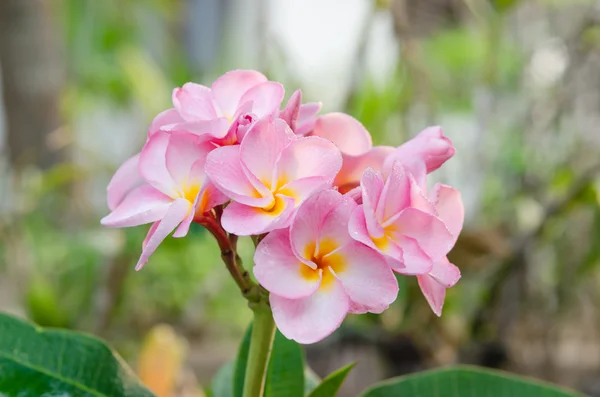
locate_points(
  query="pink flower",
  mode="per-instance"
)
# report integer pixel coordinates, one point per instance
(316, 273)
(269, 175)
(429, 146)
(165, 185)
(397, 220)
(413, 231)
(237, 97)
(354, 166)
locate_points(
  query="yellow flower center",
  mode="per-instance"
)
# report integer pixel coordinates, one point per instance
(326, 260)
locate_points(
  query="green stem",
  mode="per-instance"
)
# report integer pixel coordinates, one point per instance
(263, 330)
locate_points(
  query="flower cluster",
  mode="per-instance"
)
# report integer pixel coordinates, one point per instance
(333, 215)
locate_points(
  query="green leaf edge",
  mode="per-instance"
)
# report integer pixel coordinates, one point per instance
(50, 330)
(476, 370)
(334, 376)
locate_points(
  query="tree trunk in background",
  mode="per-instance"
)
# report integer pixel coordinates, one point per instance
(32, 78)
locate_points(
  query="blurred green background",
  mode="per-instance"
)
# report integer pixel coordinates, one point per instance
(514, 83)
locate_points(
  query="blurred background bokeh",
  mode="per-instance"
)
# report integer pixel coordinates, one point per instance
(514, 83)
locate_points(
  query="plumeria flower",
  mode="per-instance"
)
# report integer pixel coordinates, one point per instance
(239, 97)
(165, 185)
(316, 273)
(397, 220)
(269, 175)
(429, 146)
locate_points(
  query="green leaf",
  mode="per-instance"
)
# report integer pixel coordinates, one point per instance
(285, 374)
(222, 383)
(36, 362)
(465, 381)
(240, 364)
(332, 383)
(311, 380)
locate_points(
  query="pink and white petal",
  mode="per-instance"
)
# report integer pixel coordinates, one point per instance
(143, 204)
(355, 194)
(184, 227)
(434, 292)
(183, 153)
(211, 130)
(150, 233)
(419, 200)
(347, 133)
(224, 168)
(413, 260)
(311, 319)
(372, 188)
(165, 120)
(244, 220)
(152, 164)
(309, 156)
(209, 198)
(357, 227)
(365, 275)
(228, 89)
(335, 224)
(430, 232)
(301, 189)
(123, 181)
(177, 212)
(311, 215)
(261, 147)
(395, 196)
(445, 273)
(266, 98)
(194, 102)
(278, 270)
(449, 206)
(308, 112)
(292, 109)
(354, 166)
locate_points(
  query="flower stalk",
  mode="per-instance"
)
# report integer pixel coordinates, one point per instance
(261, 341)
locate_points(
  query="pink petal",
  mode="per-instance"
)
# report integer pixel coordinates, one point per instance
(449, 206)
(301, 189)
(291, 111)
(372, 188)
(335, 224)
(396, 194)
(309, 219)
(244, 220)
(354, 166)
(265, 97)
(214, 129)
(434, 292)
(261, 147)
(164, 120)
(183, 152)
(209, 198)
(306, 117)
(311, 319)
(347, 133)
(124, 181)
(419, 200)
(445, 273)
(430, 233)
(366, 278)
(278, 270)
(307, 157)
(357, 227)
(150, 233)
(153, 167)
(430, 146)
(143, 204)
(228, 89)
(194, 102)
(174, 216)
(224, 167)
(412, 259)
